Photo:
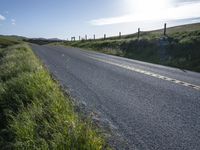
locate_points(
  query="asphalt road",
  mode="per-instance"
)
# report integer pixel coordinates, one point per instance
(151, 106)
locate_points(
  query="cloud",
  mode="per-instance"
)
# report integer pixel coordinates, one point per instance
(184, 11)
(2, 18)
(112, 20)
(180, 1)
(13, 21)
(177, 3)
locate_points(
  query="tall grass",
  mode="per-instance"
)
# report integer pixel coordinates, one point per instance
(34, 113)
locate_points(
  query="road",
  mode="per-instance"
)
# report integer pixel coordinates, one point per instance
(150, 106)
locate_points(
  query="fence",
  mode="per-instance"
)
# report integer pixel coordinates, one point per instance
(119, 36)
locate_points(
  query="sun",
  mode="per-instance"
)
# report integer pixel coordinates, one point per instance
(147, 9)
(146, 6)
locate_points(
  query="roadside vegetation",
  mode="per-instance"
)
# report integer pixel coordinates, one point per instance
(179, 48)
(34, 112)
(41, 41)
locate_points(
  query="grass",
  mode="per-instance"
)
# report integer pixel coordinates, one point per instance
(34, 112)
(180, 48)
(6, 41)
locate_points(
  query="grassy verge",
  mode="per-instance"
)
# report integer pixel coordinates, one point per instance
(34, 113)
(180, 48)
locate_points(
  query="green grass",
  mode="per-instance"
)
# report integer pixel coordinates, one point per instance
(4, 42)
(34, 112)
(182, 48)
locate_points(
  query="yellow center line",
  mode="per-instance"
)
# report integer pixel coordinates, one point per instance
(196, 87)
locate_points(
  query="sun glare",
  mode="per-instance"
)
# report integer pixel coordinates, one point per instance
(148, 9)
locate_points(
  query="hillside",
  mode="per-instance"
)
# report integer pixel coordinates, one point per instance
(179, 48)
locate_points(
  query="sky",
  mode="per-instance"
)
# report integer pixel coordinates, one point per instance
(66, 18)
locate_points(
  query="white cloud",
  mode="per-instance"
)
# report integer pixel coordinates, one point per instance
(184, 11)
(2, 18)
(13, 21)
(113, 20)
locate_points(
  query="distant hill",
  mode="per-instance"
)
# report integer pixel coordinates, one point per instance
(43, 41)
(9, 40)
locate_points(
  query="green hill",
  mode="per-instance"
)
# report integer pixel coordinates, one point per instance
(179, 48)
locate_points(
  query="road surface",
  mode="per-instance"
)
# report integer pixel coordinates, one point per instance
(151, 106)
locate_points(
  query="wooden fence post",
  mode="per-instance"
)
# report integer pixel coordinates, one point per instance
(120, 34)
(138, 33)
(73, 38)
(165, 29)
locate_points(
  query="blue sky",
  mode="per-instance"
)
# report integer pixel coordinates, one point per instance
(66, 18)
